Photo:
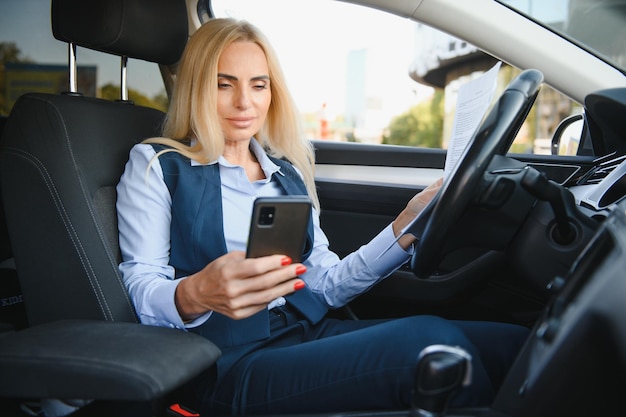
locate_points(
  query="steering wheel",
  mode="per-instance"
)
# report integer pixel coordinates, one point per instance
(494, 136)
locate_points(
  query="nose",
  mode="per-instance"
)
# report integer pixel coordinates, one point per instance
(242, 99)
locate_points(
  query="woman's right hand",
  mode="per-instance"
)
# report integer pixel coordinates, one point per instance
(236, 286)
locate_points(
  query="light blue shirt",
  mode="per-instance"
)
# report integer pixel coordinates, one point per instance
(144, 215)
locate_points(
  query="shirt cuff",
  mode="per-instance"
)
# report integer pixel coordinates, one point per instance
(190, 324)
(164, 312)
(384, 252)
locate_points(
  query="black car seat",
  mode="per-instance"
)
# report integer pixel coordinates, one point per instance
(12, 312)
(61, 157)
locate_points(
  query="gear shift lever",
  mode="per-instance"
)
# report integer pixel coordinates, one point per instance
(441, 370)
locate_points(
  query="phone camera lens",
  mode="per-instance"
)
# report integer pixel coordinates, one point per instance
(266, 216)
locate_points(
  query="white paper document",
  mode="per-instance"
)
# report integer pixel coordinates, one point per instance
(473, 101)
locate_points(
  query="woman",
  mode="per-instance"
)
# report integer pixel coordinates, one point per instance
(184, 206)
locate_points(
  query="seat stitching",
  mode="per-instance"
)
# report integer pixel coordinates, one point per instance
(68, 226)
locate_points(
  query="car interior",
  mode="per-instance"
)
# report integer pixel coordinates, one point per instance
(68, 330)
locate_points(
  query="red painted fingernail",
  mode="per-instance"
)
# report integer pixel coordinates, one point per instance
(182, 411)
(299, 285)
(285, 261)
(300, 270)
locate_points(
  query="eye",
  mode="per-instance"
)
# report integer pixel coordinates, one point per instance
(223, 84)
(260, 86)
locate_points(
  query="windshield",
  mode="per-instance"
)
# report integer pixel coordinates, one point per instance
(597, 25)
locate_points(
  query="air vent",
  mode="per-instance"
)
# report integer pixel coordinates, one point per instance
(603, 166)
(611, 188)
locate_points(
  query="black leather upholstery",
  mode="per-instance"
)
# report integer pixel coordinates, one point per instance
(100, 360)
(61, 157)
(12, 312)
(151, 30)
(5, 244)
(60, 161)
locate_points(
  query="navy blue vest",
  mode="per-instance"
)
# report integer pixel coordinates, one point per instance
(197, 238)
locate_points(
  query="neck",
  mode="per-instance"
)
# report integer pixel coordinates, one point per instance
(239, 153)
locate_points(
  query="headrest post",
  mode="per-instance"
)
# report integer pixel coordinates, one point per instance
(124, 80)
(72, 68)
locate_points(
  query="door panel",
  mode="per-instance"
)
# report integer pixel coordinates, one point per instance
(363, 187)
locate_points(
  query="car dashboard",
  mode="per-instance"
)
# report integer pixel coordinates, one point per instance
(578, 347)
(574, 363)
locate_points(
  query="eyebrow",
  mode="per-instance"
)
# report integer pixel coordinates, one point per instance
(232, 77)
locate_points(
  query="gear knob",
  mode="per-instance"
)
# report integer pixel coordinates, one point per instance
(441, 370)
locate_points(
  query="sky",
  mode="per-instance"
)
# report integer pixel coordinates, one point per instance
(547, 11)
(312, 47)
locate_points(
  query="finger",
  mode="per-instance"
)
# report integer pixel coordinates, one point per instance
(271, 278)
(252, 301)
(235, 266)
(429, 192)
(434, 187)
(243, 312)
(247, 267)
(241, 290)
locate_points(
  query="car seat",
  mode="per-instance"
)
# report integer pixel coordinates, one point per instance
(12, 312)
(61, 157)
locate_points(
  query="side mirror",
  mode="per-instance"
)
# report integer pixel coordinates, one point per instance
(567, 136)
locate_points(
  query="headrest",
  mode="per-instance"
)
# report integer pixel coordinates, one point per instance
(150, 30)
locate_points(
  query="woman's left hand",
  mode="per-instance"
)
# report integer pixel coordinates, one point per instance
(421, 199)
(412, 209)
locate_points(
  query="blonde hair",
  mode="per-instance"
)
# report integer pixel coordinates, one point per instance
(193, 106)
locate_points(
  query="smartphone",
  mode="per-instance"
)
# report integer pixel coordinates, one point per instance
(279, 226)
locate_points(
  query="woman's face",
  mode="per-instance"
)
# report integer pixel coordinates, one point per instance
(243, 90)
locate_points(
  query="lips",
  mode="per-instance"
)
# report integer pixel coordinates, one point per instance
(241, 122)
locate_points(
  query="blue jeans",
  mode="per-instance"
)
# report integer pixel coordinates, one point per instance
(351, 365)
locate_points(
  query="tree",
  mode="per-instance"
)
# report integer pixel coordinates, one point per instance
(421, 126)
(112, 92)
(9, 52)
(161, 100)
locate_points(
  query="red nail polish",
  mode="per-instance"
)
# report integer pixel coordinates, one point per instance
(285, 261)
(300, 270)
(299, 285)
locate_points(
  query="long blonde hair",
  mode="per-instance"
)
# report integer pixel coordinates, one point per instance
(193, 106)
